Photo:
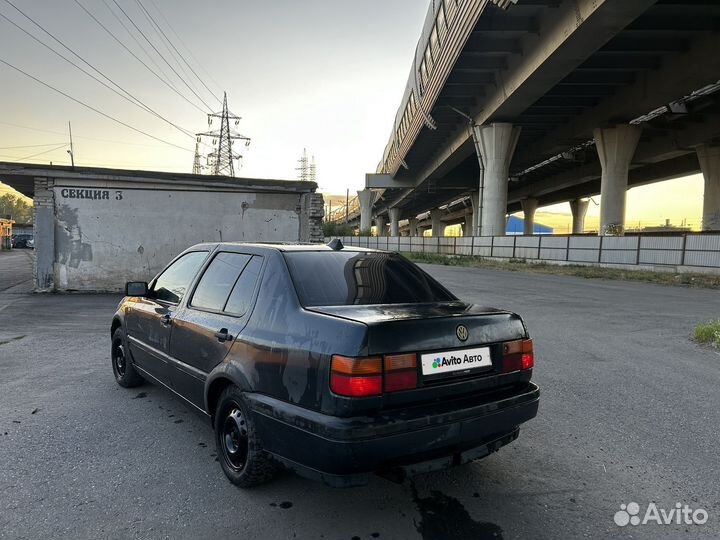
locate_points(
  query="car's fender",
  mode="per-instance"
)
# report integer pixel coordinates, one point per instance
(118, 321)
(225, 371)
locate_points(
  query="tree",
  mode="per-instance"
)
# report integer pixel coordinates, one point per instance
(334, 228)
(16, 208)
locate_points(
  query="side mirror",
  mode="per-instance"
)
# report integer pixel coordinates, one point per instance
(136, 288)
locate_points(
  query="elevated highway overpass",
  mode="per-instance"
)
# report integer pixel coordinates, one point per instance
(512, 105)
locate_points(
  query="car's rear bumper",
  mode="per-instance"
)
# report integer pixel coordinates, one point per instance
(343, 451)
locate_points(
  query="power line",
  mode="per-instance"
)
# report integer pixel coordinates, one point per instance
(32, 128)
(187, 49)
(139, 105)
(39, 153)
(92, 108)
(139, 2)
(166, 83)
(172, 56)
(132, 99)
(159, 54)
(126, 164)
(110, 141)
(29, 146)
(142, 47)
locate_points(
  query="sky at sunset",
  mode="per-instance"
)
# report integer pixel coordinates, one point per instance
(324, 75)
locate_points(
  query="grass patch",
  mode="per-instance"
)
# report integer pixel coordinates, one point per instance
(708, 333)
(707, 281)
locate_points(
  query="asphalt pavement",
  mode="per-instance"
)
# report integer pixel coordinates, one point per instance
(16, 268)
(628, 413)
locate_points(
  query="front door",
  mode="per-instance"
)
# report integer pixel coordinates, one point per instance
(149, 322)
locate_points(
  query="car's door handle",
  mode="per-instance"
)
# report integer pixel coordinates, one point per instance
(166, 320)
(223, 335)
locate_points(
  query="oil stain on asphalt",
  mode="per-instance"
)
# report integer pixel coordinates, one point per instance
(442, 516)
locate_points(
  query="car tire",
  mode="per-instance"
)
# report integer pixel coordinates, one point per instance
(239, 448)
(125, 373)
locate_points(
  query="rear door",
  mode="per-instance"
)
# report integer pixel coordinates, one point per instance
(150, 320)
(207, 326)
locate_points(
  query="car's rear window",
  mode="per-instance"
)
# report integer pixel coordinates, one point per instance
(336, 278)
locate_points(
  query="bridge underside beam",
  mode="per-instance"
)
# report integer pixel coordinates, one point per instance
(385, 181)
(677, 76)
(585, 181)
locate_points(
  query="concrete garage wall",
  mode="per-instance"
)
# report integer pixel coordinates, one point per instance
(44, 233)
(96, 236)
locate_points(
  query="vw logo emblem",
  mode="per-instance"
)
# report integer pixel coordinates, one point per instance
(461, 332)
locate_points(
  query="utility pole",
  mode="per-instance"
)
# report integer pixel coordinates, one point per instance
(72, 150)
(347, 204)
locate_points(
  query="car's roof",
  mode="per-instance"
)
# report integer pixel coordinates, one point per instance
(288, 246)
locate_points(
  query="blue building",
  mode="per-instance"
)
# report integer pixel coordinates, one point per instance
(515, 225)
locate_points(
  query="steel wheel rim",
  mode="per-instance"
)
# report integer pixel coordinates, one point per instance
(234, 438)
(119, 359)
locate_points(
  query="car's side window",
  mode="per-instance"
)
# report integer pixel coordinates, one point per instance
(172, 284)
(242, 293)
(218, 280)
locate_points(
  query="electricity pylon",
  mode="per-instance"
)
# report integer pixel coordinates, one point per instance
(221, 159)
(197, 167)
(306, 167)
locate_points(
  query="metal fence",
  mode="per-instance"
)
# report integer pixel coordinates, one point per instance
(701, 251)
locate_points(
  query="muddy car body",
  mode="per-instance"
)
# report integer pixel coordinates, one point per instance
(335, 362)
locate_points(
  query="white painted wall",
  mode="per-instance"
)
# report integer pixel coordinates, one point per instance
(107, 234)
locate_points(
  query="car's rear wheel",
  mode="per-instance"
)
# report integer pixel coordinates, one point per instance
(124, 371)
(239, 448)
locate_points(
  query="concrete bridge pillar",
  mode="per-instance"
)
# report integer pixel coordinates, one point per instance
(413, 226)
(474, 218)
(366, 201)
(496, 145)
(528, 207)
(709, 157)
(468, 225)
(579, 208)
(615, 148)
(380, 225)
(438, 227)
(394, 214)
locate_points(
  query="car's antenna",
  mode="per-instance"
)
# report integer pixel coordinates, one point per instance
(336, 244)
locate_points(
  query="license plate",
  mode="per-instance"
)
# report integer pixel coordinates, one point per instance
(438, 363)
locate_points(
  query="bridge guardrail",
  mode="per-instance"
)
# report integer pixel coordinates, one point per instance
(698, 252)
(339, 213)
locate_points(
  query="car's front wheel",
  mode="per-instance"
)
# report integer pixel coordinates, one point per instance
(239, 448)
(124, 371)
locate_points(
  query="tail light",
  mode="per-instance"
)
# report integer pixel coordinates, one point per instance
(400, 372)
(518, 355)
(366, 377)
(356, 377)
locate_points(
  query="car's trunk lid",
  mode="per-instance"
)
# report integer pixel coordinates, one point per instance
(396, 328)
(432, 331)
